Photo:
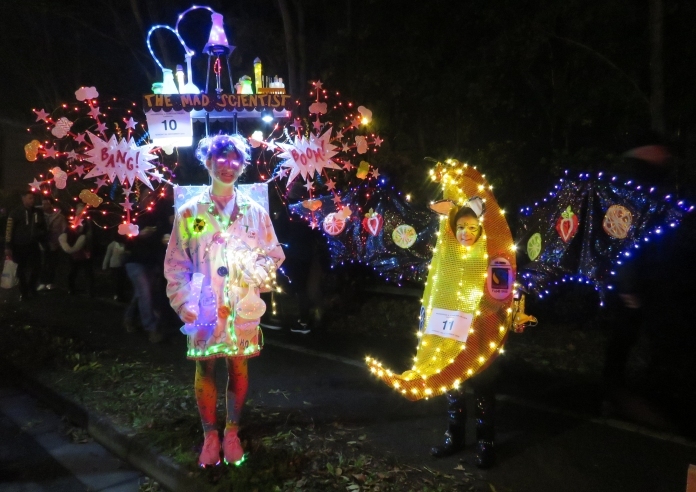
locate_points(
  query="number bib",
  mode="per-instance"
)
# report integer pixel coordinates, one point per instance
(449, 324)
(170, 128)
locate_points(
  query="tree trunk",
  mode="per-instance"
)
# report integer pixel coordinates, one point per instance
(657, 82)
(290, 45)
(301, 93)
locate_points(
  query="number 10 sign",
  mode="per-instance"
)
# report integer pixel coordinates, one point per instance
(171, 128)
(449, 324)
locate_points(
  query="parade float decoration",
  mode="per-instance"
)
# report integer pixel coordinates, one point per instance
(116, 157)
(174, 105)
(96, 152)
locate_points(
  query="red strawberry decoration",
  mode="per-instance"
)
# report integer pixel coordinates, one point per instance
(567, 224)
(372, 222)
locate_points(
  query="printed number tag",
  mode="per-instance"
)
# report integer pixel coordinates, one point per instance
(172, 128)
(449, 324)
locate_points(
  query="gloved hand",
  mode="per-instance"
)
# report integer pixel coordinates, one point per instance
(255, 273)
(188, 314)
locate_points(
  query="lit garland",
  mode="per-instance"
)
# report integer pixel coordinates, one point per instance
(459, 281)
(97, 153)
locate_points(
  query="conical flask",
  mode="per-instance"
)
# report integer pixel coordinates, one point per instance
(251, 306)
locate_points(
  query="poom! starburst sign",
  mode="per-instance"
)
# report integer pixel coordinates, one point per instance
(306, 157)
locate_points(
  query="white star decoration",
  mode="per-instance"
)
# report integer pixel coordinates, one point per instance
(156, 175)
(375, 173)
(35, 184)
(305, 157)
(130, 123)
(120, 159)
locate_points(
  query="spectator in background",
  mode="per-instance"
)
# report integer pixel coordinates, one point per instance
(25, 229)
(300, 269)
(56, 223)
(77, 241)
(3, 227)
(649, 286)
(114, 261)
(143, 262)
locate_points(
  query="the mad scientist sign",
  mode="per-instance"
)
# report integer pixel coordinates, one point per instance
(224, 102)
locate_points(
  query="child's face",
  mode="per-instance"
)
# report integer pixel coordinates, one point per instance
(468, 230)
(226, 168)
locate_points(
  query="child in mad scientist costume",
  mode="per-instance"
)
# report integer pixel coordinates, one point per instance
(222, 251)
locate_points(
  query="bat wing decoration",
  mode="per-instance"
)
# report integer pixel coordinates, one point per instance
(381, 230)
(586, 228)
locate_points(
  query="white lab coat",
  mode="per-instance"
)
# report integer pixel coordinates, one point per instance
(199, 244)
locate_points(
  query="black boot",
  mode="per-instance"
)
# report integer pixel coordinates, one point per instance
(456, 426)
(485, 430)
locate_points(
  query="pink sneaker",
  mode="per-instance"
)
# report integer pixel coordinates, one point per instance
(232, 447)
(210, 454)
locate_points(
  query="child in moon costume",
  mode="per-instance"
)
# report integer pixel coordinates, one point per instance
(230, 240)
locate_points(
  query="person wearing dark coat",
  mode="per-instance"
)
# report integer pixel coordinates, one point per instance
(25, 230)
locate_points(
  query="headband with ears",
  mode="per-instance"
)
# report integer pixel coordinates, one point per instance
(444, 207)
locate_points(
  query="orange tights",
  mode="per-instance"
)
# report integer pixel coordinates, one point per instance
(206, 391)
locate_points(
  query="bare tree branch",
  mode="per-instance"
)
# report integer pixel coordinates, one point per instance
(605, 60)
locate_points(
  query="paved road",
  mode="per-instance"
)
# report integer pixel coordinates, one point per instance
(549, 439)
(37, 455)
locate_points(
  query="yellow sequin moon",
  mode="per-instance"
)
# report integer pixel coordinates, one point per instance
(468, 296)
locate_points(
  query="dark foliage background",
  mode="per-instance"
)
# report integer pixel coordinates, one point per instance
(523, 89)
